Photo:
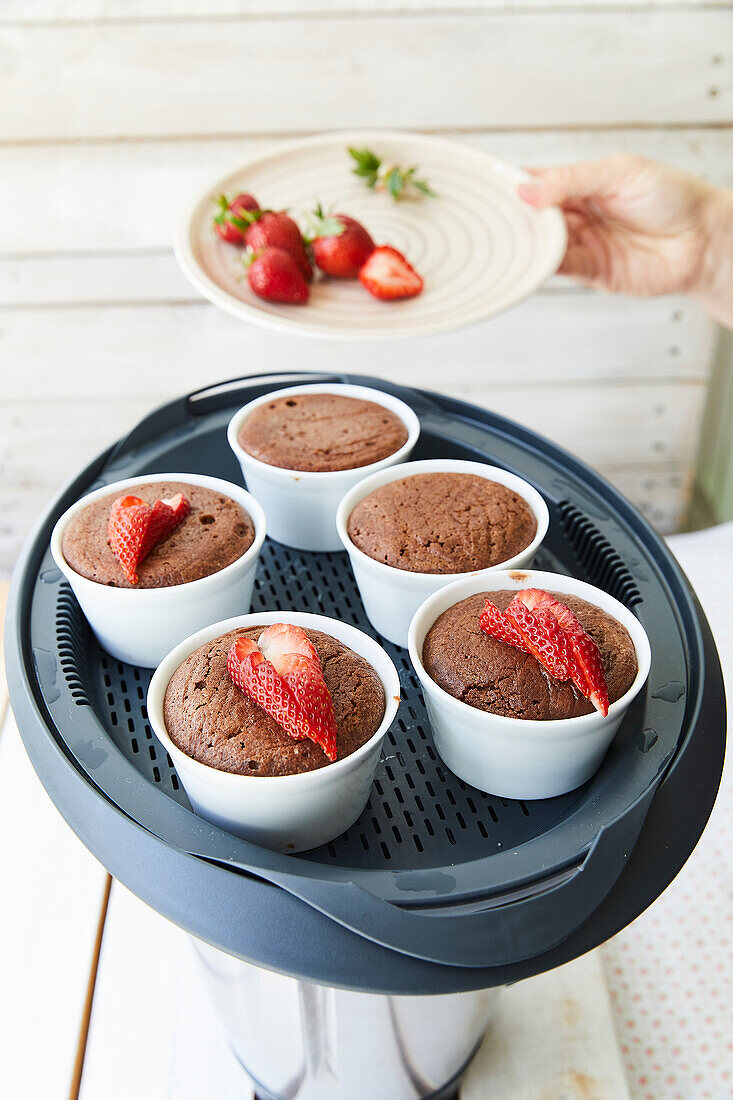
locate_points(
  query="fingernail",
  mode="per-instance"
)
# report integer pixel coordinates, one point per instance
(530, 192)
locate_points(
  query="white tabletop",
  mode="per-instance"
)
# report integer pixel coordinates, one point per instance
(152, 1033)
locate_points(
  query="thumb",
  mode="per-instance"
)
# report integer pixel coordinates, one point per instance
(562, 183)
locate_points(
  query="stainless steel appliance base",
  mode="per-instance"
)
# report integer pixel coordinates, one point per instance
(450, 1092)
(300, 1041)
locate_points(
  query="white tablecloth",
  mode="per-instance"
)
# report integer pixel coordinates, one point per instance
(670, 973)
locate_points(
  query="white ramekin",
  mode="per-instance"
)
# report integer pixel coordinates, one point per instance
(511, 757)
(290, 813)
(392, 596)
(301, 504)
(139, 626)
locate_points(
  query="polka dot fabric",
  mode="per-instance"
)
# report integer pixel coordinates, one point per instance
(670, 973)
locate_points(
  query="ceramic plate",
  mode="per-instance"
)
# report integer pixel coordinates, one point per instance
(478, 247)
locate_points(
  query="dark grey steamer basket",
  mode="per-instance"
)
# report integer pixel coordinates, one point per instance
(434, 871)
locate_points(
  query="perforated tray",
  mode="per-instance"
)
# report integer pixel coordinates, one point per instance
(433, 868)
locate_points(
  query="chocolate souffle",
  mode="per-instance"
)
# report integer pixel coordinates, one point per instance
(215, 533)
(487, 674)
(442, 522)
(210, 719)
(321, 432)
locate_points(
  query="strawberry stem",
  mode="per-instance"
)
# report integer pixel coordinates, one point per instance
(397, 181)
(319, 224)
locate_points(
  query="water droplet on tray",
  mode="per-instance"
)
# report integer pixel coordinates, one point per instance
(46, 670)
(646, 739)
(90, 754)
(670, 692)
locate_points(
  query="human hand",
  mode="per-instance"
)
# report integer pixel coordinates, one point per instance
(634, 226)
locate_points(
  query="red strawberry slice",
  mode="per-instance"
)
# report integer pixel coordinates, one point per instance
(495, 623)
(135, 527)
(283, 675)
(285, 640)
(127, 528)
(388, 275)
(585, 666)
(165, 516)
(543, 637)
(294, 657)
(258, 679)
(588, 659)
(536, 623)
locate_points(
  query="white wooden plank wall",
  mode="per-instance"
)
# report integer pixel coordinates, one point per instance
(112, 112)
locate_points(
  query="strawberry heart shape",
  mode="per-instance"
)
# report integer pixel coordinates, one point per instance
(538, 624)
(284, 676)
(135, 527)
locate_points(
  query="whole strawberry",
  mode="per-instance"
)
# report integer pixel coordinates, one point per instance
(341, 245)
(275, 276)
(275, 229)
(229, 223)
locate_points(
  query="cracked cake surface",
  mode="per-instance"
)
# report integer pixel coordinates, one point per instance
(321, 432)
(215, 533)
(210, 719)
(442, 522)
(491, 676)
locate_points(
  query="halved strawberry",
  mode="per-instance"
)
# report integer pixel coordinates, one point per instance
(388, 275)
(135, 527)
(290, 650)
(585, 665)
(495, 623)
(283, 675)
(166, 515)
(543, 637)
(536, 623)
(127, 529)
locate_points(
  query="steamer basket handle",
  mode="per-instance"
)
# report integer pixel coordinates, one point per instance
(507, 932)
(208, 399)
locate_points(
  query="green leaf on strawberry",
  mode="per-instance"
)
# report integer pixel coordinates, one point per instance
(320, 224)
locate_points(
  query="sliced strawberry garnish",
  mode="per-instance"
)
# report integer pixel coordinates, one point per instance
(165, 516)
(284, 676)
(258, 679)
(588, 659)
(536, 623)
(135, 527)
(285, 640)
(128, 525)
(543, 637)
(495, 623)
(585, 666)
(388, 275)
